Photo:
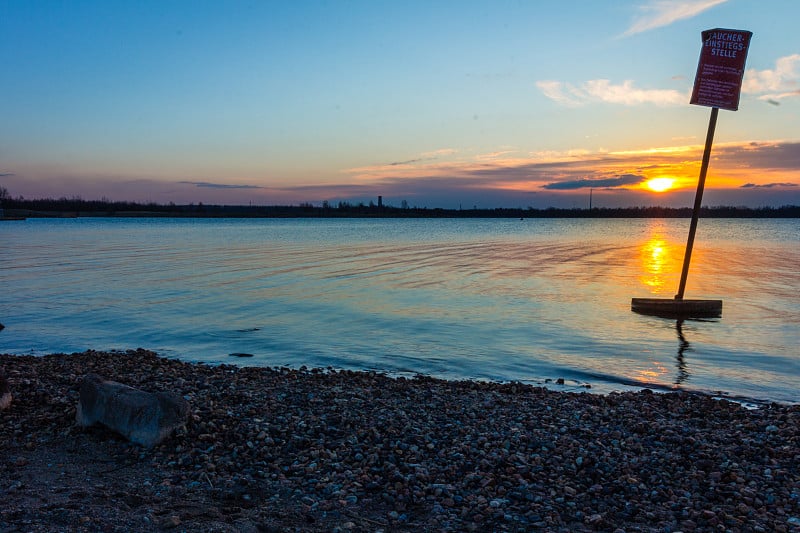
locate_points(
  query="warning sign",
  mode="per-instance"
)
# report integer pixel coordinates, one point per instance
(721, 68)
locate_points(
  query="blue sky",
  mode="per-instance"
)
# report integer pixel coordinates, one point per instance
(442, 104)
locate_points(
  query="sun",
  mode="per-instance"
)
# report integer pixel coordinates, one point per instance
(660, 184)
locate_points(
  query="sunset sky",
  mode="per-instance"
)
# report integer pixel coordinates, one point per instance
(440, 104)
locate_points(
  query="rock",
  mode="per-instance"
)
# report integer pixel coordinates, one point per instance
(2, 327)
(141, 417)
(171, 522)
(5, 393)
(240, 354)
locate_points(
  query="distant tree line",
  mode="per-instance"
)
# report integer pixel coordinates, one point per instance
(86, 208)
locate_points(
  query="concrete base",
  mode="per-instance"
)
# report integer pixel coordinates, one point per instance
(671, 308)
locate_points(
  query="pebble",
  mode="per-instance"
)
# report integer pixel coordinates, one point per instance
(171, 522)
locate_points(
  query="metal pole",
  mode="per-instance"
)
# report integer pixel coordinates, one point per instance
(698, 200)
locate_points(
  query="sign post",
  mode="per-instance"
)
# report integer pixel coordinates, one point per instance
(717, 84)
(718, 81)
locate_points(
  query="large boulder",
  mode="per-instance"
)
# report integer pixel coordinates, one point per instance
(142, 417)
(5, 393)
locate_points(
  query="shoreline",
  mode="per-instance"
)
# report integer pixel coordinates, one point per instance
(275, 449)
(592, 384)
(49, 208)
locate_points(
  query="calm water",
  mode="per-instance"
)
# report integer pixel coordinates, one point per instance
(529, 300)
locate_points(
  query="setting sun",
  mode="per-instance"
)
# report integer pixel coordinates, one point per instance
(660, 184)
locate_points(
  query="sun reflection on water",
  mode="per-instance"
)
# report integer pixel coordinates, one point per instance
(653, 373)
(660, 264)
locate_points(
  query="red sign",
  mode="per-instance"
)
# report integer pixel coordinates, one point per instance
(719, 74)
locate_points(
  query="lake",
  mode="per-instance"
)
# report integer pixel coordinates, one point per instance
(530, 300)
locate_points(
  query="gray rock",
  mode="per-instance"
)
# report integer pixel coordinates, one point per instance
(141, 417)
(5, 393)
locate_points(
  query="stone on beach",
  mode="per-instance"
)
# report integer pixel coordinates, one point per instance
(141, 417)
(5, 393)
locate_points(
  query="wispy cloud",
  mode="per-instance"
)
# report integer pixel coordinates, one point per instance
(660, 13)
(560, 92)
(619, 181)
(493, 155)
(770, 85)
(555, 178)
(776, 156)
(768, 185)
(775, 84)
(604, 91)
(426, 156)
(744, 173)
(440, 152)
(6, 174)
(219, 185)
(407, 162)
(734, 165)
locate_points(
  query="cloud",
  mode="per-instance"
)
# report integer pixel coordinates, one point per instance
(602, 90)
(769, 169)
(771, 86)
(762, 155)
(775, 99)
(660, 13)
(408, 162)
(560, 92)
(494, 155)
(767, 185)
(627, 94)
(6, 175)
(439, 152)
(619, 181)
(219, 185)
(776, 84)
(425, 156)
(548, 175)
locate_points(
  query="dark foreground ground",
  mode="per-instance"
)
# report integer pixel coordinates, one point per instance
(286, 450)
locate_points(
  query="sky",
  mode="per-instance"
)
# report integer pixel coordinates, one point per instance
(448, 104)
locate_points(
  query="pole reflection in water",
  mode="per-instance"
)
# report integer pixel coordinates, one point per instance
(683, 346)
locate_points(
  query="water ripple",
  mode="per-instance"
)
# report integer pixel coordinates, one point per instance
(481, 299)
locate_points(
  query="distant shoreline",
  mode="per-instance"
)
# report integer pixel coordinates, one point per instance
(74, 208)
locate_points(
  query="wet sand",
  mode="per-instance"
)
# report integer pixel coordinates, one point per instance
(322, 450)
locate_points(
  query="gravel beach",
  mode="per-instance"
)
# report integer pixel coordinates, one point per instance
(322, 450)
